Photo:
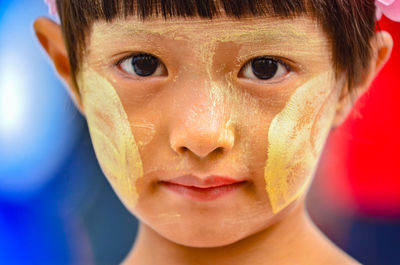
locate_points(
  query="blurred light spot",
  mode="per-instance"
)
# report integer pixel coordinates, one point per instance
(38, 123)
(12, 98)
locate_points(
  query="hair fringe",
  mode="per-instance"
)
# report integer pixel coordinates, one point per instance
(349, 24)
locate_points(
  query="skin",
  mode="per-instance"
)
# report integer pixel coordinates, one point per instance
(111, 135)
(295, 140)
(205, 117)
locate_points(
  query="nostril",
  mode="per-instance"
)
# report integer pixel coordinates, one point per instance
(202, 143)
(219, 150)
(183, 149)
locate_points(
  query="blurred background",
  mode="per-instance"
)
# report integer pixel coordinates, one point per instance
(57, 208)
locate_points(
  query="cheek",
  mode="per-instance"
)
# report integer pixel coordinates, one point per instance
(295, 140)
(110, 131)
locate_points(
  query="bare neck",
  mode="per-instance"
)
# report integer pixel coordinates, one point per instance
(293, 240)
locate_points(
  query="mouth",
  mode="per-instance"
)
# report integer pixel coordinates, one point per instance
(208, 189)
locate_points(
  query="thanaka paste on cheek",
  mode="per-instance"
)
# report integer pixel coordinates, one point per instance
(221, 100)
(111, 134)
(295, 140)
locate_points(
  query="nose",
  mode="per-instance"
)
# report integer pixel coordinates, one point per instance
(202, 142)
(202, 130)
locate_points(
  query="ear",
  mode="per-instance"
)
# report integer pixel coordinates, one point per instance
(50, 37)
(381, 47)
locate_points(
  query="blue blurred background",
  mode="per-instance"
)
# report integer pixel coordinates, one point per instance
(55, 204)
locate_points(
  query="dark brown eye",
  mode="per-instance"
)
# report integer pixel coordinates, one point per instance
(264, 68)
(143, 64)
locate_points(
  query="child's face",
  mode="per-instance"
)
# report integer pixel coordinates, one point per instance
(203, 112)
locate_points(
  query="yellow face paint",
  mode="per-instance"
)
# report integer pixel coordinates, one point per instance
(295, 140)
(111, 134)
(159, 37)
(295, 134)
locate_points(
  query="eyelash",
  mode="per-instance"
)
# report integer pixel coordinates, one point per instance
(131, 56)
(279, 61)
(248, 64)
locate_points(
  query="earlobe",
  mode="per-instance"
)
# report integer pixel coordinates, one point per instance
(381, 48)
(50, 37)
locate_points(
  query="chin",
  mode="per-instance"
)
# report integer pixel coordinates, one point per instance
(222, 233)
(205, 239)
(210, 234)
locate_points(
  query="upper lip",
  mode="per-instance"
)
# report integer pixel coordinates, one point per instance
(207, 182)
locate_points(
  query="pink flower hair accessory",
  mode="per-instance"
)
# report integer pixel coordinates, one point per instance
(52, 7)
(389, 8)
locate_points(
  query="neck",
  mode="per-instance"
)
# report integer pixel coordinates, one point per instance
(295, 234)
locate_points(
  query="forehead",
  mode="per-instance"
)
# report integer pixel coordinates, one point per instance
(301, 30)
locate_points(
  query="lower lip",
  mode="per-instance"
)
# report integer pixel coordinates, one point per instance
(203, 194)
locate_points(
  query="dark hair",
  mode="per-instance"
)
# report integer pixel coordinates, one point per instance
(349, 24)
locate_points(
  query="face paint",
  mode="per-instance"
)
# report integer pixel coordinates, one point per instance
(158, 30)
(285, 41)
(205, 67)
(147, 132)
(295, 140)
(203, 101)
(111, 134)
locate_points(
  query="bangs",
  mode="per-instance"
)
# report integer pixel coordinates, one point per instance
(108, 10)
(349, 24)
(77, 16)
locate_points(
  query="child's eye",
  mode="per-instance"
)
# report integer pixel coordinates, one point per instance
(264, 68)
(143, 64)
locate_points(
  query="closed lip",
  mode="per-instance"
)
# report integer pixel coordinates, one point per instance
(211, 181)
(203, 189)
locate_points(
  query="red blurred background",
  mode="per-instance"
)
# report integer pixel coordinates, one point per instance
(359, 171)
